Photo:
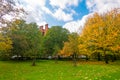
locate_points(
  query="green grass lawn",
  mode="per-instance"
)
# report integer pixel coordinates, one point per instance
(63, 70)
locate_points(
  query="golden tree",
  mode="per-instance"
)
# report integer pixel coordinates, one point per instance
(101, 33)
(5, 46)
(71, 47)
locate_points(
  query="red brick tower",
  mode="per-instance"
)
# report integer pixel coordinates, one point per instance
(44, 31)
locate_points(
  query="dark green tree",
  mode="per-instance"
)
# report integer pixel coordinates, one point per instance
(34, 38)
(17, 34)
(26, 39)
(54, 39)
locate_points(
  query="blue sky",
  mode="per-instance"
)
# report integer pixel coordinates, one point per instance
(80, 11)
(70, 14)
(55, 12)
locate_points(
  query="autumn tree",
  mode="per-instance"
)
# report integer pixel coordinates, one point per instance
(83, 47)
(71, 47)
(101, 32)
(5, 45)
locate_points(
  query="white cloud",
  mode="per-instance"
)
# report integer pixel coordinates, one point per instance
(37, 10)
(72, 26)
(64, 3)
(34, 3)
(61, 15)
(102, 5)
(33, 9)
(46, 10)
(33, 15)
(60, 6)
(99, 6)
(76, 26)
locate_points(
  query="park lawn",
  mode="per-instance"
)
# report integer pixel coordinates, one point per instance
(63, 70)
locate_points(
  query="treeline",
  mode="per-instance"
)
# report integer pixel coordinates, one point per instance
(20, 40)
(100, 39)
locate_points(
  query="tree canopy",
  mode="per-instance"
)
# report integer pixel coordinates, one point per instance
(101, 32)
(54, 39)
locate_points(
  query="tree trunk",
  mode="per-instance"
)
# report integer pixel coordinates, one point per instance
(106, 57)
(87, 58)
(74, 59)
(34, 64)
(56, 59)
(17, 57)
(113, 57)
(99, 57)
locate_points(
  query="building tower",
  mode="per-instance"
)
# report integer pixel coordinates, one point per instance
(44, 31)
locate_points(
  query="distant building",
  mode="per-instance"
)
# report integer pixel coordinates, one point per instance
(44, 31)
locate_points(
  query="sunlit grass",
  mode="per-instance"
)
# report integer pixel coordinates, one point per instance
(63, 70)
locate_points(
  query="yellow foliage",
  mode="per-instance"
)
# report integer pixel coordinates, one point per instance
(66, 51)
(5, 43)
(101, 32)
(71, 46)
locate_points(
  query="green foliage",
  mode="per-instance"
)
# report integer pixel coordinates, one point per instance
(34, 38)
(54, 38)
(17, 33)
(26, 39)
